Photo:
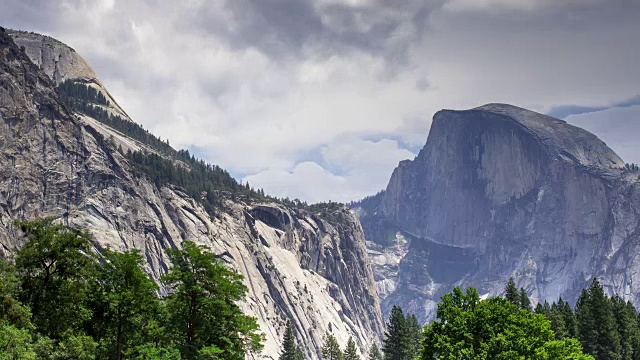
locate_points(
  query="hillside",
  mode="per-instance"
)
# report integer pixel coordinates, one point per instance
(72, 153)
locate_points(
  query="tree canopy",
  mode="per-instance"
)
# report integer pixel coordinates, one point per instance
(61, 299)
(470, 328)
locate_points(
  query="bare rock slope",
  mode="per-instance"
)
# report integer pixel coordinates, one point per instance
(297, 265)
(498, 192)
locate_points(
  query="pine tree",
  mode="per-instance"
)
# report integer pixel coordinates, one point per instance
(414, 331)
(374, 352)
(597, 328)
(331, 348)
(557, 320)
(569, 318)
(543, 309)
(397, 343)
(525, 303)
(511, 292)
(627, 323)
(351, 352)
(289, 347)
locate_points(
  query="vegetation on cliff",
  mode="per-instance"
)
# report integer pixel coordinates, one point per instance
(61, 300)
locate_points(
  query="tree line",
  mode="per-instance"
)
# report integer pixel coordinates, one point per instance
(85, 99)
(401, 342)
(61, 299)
(468, 327)
(206, 183)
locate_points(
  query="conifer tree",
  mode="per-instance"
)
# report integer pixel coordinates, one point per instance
(414, 332)
(289, 348)
(351, 352)
(597, 328)
(543, 309)
(397, 342)
(525, 303)
(331, 348)
(557, 320)
(374, 352)
(569, 318)
(627, 323)
(511, 292)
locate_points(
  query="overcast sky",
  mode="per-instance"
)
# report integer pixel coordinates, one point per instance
(320, 99)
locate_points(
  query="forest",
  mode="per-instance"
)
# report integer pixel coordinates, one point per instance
(208, 184)
(599, 327)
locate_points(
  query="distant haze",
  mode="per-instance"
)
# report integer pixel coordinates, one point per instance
(320, 99)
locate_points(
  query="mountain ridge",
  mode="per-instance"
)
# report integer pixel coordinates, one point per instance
(497, 192)
(311, 268)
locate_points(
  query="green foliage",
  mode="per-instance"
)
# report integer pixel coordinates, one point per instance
(511, 293)
(374, 352)
(85, 99)
(567, 349)
(331, 348)
(12, 312)
(396, 341)
(202, 304)
(123, 300)
(627, 325)
(351, 351)
(402, 339)
(525, 303)
(469, 328)
(152, 352)
(87, 307)
(414, 331)
(597, 328)
(54, 265)
(290, 351)
(15, 343)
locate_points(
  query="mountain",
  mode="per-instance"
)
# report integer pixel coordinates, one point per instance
(69, 151)
(498, 192)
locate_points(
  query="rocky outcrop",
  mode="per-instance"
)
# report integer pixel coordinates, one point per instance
(498, 192)
(62, 63)
(296, 264)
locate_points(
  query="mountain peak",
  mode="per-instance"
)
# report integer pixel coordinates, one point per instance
(62, 64)
(562, 141)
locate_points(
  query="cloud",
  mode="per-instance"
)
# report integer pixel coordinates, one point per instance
(564, 111)
(273, 89)
(619, 127)
(345, 170)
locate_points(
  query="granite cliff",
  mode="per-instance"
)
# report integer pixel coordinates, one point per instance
(498, 192)
(304, 265)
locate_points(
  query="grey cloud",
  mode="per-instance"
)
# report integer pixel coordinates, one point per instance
(31, 15)
(291, 28)
(564, 111)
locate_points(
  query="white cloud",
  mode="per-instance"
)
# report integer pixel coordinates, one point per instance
(274, 90)
(352, 169)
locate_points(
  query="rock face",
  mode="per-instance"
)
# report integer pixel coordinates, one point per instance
(61, 63)
(498, 192)
(297, 265)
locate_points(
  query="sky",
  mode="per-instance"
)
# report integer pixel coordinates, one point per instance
(320, 99)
